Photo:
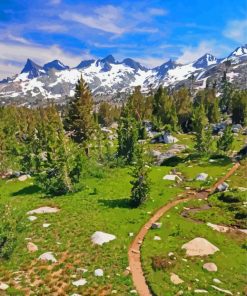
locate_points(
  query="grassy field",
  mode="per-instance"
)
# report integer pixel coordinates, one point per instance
(231, 260)
(102, 205)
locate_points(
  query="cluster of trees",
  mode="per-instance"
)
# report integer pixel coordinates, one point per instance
(55, 146)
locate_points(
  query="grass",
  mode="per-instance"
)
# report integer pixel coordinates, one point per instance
(105, 209)
(231, 260)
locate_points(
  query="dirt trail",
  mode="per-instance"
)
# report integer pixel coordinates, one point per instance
(134, 250)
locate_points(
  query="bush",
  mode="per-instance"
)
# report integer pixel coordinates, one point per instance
(9, 227)
(232, 197)
(242, 214)
(161, 263)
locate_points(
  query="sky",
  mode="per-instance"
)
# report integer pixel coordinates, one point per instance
(149, 31)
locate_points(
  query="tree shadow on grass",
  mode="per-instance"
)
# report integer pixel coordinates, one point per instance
(116, 203)
(32, 189)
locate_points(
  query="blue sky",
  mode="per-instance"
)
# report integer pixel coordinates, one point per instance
(149, 31)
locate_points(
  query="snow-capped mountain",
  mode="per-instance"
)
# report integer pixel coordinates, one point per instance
(111, 79)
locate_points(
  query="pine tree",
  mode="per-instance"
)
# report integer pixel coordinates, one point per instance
(79, 120)
(140, 183)
(225, 142)
(127, 135)
(54, 177)
(239, 107)
(203, 133)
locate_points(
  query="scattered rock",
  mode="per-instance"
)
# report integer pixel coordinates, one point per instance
(172, 177)
(211, 267)
(99, 238)
(131, 234)
(48, 256)
(175, 279)
(156, 225)
(200, 291)
(157, 238)
(222, 290)
(217, 281)
(99, 272)
(83, 270)
(31, 218)
(3, 286)
(32, 247)
(170, 254)
(199, 247)
(80, 282)
(202, 177)
(133, 292)
(218, 228)
(222, 187)
(114, 291)
(23, 178)
(45, 225)
(43, 210)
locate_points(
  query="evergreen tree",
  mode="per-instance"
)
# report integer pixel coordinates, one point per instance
(203, 133)
(239, 107)
(225, 142)
(54, 178)
(127, 135)
(140, 184)
(79, 120)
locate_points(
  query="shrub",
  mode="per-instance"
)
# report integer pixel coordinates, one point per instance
(161, 263)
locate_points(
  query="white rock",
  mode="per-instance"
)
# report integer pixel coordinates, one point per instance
(175, 279)
(114, 291)
(222, 187)
(199, 247)
(211, 267)
(80, 282)
(200, 291)
(222, 290)
(23, 178)
(31, 218)
(157, 238)
(202, 177)
(43, 210)
(99, 238)
(32, 247)
(217, 281)
(75, 294)
(172, 177)
(45, 225)
(170, 254)
(218, 228)
(133, 292)
(3, 286)
(168, 139)
(131, 234)
(98, 272)
(48, 256)
(83, 270)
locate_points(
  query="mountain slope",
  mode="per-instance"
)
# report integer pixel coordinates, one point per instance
(109, 78)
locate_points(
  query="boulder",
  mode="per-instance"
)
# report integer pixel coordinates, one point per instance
(200, 291)
(169, 139)
(31, 218)
(157, 238)
(3, 286)
(23, 178)
(202, 177)
(218, 228)
(175, 279)
(80, 282)
(156, 225)
(32, 247)
(211, 267)
(199, 247)
(48, 256)
(100, 238)
(98, 272)
(222, 187)
(172, 177)
(43, 210)
(46, 225)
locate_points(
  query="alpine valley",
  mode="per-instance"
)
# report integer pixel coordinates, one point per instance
(112, 80)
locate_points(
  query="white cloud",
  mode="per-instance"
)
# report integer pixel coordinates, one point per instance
(237, 30)
(52, 28)
(158, 11)
(151, 62)
(18, 39)
(105, 18)
(192, 53)
(55, 2)
(11, 54)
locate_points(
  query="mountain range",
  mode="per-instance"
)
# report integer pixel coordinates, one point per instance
(110, 79)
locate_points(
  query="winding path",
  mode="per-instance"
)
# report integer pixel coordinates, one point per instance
(134, 249)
